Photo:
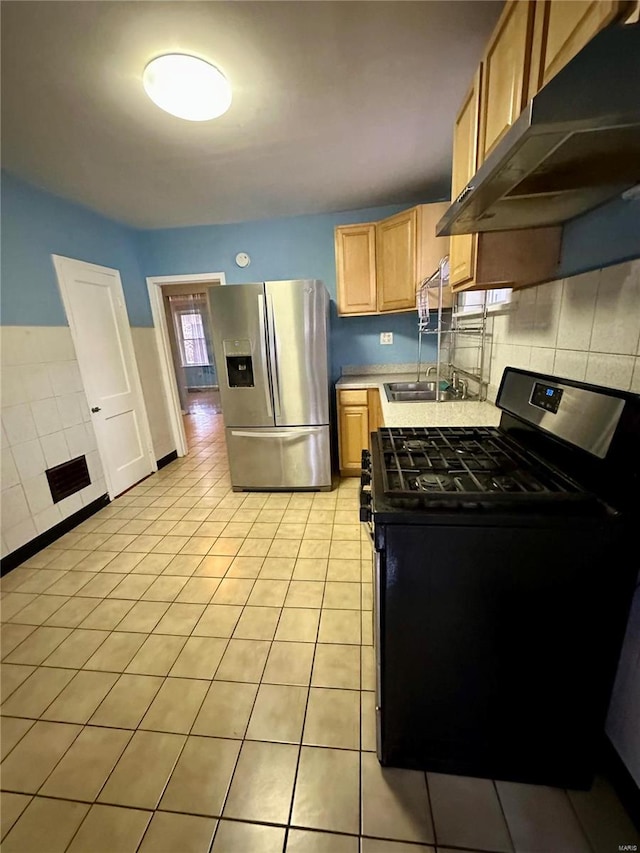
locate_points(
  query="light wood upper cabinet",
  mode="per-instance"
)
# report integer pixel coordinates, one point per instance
(355, 247)
(462, 251)
(505, 66)
(396, 261)
(379, 266)
(562, 28)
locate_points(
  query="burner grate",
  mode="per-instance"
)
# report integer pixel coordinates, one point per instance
(465, 463)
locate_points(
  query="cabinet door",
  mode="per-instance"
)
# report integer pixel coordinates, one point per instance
(376, 419)
(354, 437)
(462, 250)
(562, 28)
(505, 73)
(396, 261)
(356, 268)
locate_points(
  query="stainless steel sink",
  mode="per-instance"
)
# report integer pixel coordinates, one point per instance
(418, 392)
(411, 386)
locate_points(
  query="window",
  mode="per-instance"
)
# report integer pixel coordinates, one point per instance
(193, 344)
(472, 301)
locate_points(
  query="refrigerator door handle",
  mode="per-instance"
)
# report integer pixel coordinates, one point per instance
(289, 433)
(263, 347)
(273, 355)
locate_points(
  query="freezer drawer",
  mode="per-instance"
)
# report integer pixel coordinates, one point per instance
(279, 458)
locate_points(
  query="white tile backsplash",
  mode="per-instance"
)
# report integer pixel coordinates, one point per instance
(577, 311)
(570, 364)
(615, 371)
(586, 328)
(548, 301)
(45, 422)
(541, 359)
(616, 326)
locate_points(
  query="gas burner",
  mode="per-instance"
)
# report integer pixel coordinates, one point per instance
(414, 445)
(434, 483)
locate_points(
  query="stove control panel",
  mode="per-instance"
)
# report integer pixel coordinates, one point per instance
(546, 397)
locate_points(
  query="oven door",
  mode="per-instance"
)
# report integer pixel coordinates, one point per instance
(377, 645)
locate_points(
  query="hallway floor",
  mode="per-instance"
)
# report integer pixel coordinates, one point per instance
(194, 666)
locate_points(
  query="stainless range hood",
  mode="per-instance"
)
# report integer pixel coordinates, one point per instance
(575, 146)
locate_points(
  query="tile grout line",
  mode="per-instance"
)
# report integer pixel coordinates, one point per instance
(255, 699)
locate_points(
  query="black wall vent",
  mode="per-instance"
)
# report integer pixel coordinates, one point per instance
(68, 478)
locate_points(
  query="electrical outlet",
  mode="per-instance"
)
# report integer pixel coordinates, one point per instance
(386, 338)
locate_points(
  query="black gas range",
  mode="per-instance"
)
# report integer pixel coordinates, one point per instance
(502, 582)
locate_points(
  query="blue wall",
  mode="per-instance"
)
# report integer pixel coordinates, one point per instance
(297, 247)
(607, 235)
(37, 224)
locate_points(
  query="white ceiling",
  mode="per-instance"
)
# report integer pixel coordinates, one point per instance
(337, 105)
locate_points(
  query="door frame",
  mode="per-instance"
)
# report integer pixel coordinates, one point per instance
(155, 283)
(60, 263)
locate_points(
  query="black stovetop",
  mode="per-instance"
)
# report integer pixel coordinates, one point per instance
(447, 465)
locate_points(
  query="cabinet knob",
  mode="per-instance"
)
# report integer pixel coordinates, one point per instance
(95, 409)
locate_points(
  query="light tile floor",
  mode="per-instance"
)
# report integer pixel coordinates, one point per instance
(194, 667)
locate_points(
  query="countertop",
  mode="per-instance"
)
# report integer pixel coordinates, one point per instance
(416, 414)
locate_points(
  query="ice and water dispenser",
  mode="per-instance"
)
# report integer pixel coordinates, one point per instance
(239, 363)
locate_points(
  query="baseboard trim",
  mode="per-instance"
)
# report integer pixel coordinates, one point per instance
(170, 457)
(623, 782)
(25, 551)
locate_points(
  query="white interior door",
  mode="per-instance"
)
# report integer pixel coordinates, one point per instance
(97, 314)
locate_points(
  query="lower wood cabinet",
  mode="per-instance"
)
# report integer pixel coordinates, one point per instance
(359, 414)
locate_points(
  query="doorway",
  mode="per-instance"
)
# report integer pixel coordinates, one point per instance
(180, 311)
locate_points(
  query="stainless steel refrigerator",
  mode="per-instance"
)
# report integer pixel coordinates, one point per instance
(270, 346)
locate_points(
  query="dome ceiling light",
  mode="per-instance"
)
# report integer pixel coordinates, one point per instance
(187, 87)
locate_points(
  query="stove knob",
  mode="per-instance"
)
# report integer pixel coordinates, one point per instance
(365, 506)
(366, 460)
(365, 514)
(365, 478)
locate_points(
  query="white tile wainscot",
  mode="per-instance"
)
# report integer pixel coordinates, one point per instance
(45, 421)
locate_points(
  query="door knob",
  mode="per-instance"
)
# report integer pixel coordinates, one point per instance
(96, 409)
